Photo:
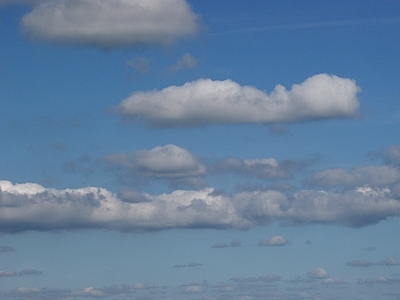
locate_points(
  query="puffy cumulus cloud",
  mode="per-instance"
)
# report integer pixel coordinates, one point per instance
(390, 261)
(276, 240)
(169, 162)
(30, 206)
(205, 101)
(380, 176)
(110, 23)
(268, 168)
(357, 207)
(318, 273)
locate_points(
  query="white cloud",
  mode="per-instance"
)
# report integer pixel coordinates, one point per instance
(205, 101)
(390, 261)
(318, 273)
(168, 162)
(33, 207)
(276, 240)
(332, 281)
(89, 292)
(110, 23)
(195, 289)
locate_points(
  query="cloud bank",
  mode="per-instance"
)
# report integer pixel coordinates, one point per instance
(205, 101)
(110, 24)
(31, 206)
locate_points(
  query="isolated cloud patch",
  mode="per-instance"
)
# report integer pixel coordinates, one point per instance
(32, 207)
(205, 101)
(168, 162)
(276, 240)
(110, 23)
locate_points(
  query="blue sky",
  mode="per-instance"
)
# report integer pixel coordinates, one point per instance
(205, 150)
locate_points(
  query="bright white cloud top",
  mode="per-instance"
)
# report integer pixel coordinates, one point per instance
(206, 101)
(111, 23)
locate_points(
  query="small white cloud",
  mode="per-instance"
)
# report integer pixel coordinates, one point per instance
(194, 289)
(205, 101)
(318, 273)
(110, 23)
(390, 261)
(89, 292)
(276, 240)
(332, 281)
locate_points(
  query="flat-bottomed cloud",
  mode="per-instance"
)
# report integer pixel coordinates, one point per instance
(110, 24)
(205, 101)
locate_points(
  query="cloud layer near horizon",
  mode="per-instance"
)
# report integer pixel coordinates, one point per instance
(110, 23)
(30, 206)
(206, 101)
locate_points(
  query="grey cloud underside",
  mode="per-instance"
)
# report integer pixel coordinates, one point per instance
(110, 23)
(32, 207)
(205, 101)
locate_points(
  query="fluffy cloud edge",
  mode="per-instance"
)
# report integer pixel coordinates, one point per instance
(31, 206)
(205, 101)
(110, 24)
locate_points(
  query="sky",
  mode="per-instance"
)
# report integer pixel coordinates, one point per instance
(199, 150)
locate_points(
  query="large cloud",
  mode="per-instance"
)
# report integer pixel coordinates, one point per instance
(205, 101)
(110, 23)
(32, 207)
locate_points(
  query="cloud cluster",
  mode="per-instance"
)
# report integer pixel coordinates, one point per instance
(30, 206)
(110, 23)
(178, 166)
(205, 101)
